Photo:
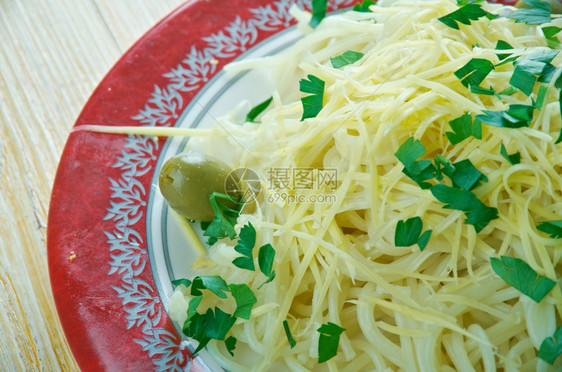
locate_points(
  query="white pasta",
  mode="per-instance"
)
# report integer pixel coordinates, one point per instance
(440, 309)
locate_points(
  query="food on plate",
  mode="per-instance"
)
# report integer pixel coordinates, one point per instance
(409, 216)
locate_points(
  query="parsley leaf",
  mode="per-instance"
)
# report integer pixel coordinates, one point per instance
(463, 127)
(477, 213)
(523, 80)
(508, 91)
(266, 255)
(551, 347)
(195, 327)
(363, 6)
(290, 338)
(328, 341)
(346, 58)
(218, 324)
(312, 104)
(245, 300)
(513, 158)
(516, 116)
(439, 161)
(215, 324)
(504, 57)
(536, 66)
(541, 96)
(214, 283)
(245, 246)
(193, 305)
(418, 170)
(258, 109)
(230, 344)
(503, 45)
(465, 14)
(522, 277)
(554, 228)
(465, 175)
(409, 232)
(484, 91)
(225, 218)
(537, 14)
(550, 33)
(474, 72)
(319, 8)
(185, 282)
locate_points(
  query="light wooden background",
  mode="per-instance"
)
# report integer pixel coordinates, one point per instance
(53, 53)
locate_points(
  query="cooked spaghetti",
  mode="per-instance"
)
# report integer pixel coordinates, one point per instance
(440, 308)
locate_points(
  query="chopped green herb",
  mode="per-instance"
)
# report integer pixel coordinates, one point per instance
(363, 6)
(543, 55)
(312, 104)
(245, 300)
(258, 109)
(554, 228)
(504, 57)
(185, 282)
(548, 73)
(517, 273)
(517, 116)
(464, 174)
(193, 305)
(551, 347)
(222, 225)
(523, 80)
(266, 255)
(207, 326)
(441, 163)
(513, 158)
(474, 72)
(484, 91)
(463, 127)
(550, 33)
(214, 283)
(508, 91)
(424, 239)
(346, 58)
(538, 13)
(245, 246)
(465, 14)
(230, 344)
(328, 341)
(290, 338)
(319, 8)
(195, 327)
(503, 45)
(464, 2)
(218, 324)
(536, 66)
(418, 170)
(409, 232)
(478, 214)
(215, 324)
(541, 95)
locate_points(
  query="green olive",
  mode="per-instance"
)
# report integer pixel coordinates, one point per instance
(188, 179)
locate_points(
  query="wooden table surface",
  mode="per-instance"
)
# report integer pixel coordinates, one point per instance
(53, 54)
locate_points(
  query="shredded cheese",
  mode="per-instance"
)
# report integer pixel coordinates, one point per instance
(404, 310)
